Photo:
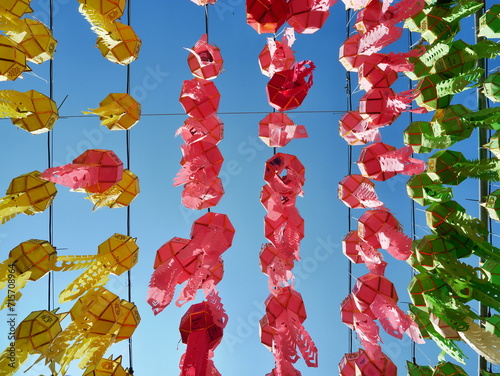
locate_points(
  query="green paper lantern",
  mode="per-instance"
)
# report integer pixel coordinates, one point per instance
(425, 283)
(440, 167)
(421, 317)
(461, 58)
(416, 370)
(449, 121)
(415, 136)
(431, 248)
(423, 64)
(492, 325)
(492, 270)
(491, 87)
(425, 191)
(492, 205)
(489, 23)
(448, 369)
(429, 96)
(494, 144)
(434, 27)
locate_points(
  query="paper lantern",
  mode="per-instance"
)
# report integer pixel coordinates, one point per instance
(357, 191)
(380, 229)
(118, 111)
(116, 255)
(277, 56)
(368, 287)
(356, 130)
(266, 16)
(359, 363)
(416, 370)
(441, 167)
(428, 95)
(449, 121)
(209, 129)
(420, 136)
(494, 144)
(276, 265)
(374, 72)
(118, 195)
(28, 194)
(199, 98)
(349, 55)
(13, 62)
(359, 251)
(43, 116)
(460, 58)
(492, 205)
(107, 367)
(443, 328)
(431, 249)
(425, 190)
(287, 89)
(204, 2)
(285, 314)
(33, 335)
(426, 283)
(491, 85)
(288, 185)
(489, 23)
(123, 48)
(205, 60)
(198, 195)
(16, 8)
(381, 161)
(111, 9)
(95, 170)
(201, 334)
(382, 106)
(448, 369)
(277, 130)
(307, 16)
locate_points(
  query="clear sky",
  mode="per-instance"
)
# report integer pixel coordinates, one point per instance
(85, 77)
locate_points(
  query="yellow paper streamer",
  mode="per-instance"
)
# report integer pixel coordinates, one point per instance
(481, 341)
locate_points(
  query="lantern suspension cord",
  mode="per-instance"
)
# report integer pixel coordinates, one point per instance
(127, 136)
(206, 21)
(50, 158)
(348, 87)
(483, 154)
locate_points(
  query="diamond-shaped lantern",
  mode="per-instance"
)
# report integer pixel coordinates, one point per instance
(111, 9)
(266, 16)
(122, 252)
(426, 191)
(491, 85)
(36, 41)
(36, 256)
(448, 369)
(13, 62)
(199, 98)
(440, 167)
(39, 191)
(489, 23)
(43, 116)
(126, 50)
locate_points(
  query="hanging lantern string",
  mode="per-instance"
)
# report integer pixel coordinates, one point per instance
(127, 136)
(206, 22)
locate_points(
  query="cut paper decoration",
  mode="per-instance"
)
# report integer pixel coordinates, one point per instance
(356, 130)
(205, 60)
(307, 16)
(116, 255)
(202, 335)
(492, 205)
(357, 191)
(35, 40)
(277, 130)
(266, 16)
(359, 251)
(379, 161)
(28, 194)
(359, 363)
(289, 184)
(277, 265)
(285, 314)
(199, 98)
(209, 129)
(287, 89)
(118, 111)
(109, 366)
(277, 56)
(426, 191)
(118, 195)
(16, 8)
(420, 136)
(382, 106)
(95, 170)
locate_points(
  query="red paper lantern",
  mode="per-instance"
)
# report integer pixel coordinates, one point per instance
(277, 56)
(308, 16)
(287, 89)
(356, 130)
(357, 191)
(368, 287)
(288, 185)
(349, 55)
(277, 130)
(205, 60)
(375, 72)
(381, 106)
(199, 98)
(266, 16)
(209, 129)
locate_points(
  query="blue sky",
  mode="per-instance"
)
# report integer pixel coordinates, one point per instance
(82, 74)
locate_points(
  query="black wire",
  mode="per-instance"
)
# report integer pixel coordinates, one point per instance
(206, 21)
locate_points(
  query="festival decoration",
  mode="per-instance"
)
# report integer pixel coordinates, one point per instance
(209, 129)
(491, 86)
(204, 2)
(277, 56)
(99, 319)
(422, 139)
(29, 261)
(285, 314)
(94, 171)
(492, 205)
(359, 363)
(288, 185)
(425, 190)
(381, 161)
(116, 255)
(448, 369)
(111, 9)
(196, 261)
(287, 89)
(307, 16)
(16, 8)
(382, 106)
(277, 265)
(35, 40)
(41, 113)
(199, 98)
(359, 251)
(489, 23)
(28, 194)
(266, 16)
(416, 370)
(109, 366)
(205, 60)
(34, 335)
(13, 63)
(356, 130)
(124, 48)
(357, 191)
(118, 195)
(277, 130)
(201, 334)
(118, 111)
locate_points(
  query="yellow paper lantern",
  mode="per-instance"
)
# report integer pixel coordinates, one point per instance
(15, 105)
(35, 40)
(119, 195)
(111, 9)
(12, 60)
(118, 111)
(28, 194)
(43, 116)
(121, 48)
(16, 8)
(107, 367)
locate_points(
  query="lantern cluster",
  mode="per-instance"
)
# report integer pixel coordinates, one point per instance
(24, 40)
(100, 174)
(116, 41)
(202, 130)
